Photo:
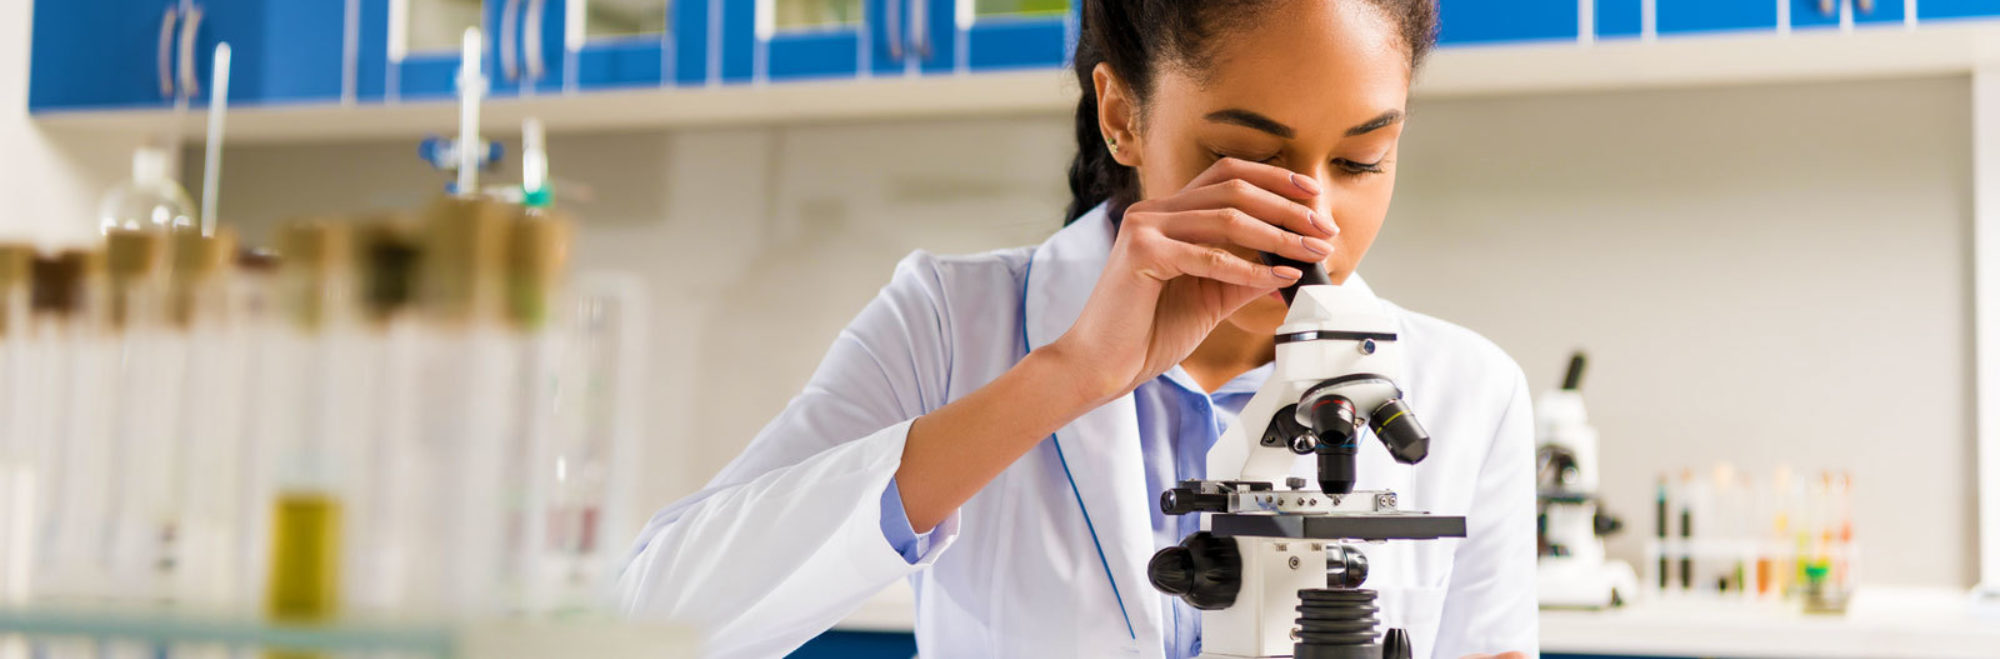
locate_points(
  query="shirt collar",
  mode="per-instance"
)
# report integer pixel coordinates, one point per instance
(1246, 383)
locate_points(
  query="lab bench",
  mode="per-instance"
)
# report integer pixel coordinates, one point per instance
(1908, 623)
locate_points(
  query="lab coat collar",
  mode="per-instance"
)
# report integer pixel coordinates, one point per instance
(1100, 450)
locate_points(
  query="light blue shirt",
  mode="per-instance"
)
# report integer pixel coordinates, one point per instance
(1178, 423)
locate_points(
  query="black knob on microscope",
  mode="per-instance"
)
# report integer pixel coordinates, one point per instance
(1204, 570)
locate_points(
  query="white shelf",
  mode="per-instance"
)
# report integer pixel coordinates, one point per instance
(1681, 61)
(1911, 623)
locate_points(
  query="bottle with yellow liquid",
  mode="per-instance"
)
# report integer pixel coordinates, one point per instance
(303, 585)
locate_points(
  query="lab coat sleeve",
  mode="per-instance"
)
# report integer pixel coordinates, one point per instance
(1490, 606)
(789, 538)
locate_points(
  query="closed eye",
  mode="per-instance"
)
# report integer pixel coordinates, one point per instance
(1358, 168)
(1264, 160)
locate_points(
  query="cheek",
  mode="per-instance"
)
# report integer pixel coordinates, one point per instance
(1360, 209)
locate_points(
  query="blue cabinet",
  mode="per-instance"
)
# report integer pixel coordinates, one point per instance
(1485, 21)
(995, 35)
(113, 53)
(633, 43)
(1811, 14)
(779, 40)
(151, 53)
(409, 49)
(280, 52)
(1681, 16)
(1950, 9)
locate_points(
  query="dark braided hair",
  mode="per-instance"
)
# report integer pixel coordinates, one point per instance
(1137, 36)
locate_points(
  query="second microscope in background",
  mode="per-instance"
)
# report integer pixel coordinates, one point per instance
(1572, 571)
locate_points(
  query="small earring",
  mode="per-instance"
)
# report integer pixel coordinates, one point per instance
(1111, 143)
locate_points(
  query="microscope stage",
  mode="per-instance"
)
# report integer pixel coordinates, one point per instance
(1369, 526)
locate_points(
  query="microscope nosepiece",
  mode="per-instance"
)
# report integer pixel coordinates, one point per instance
(1407, 440)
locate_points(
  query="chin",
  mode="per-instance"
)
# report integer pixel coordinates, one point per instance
(1261, 316)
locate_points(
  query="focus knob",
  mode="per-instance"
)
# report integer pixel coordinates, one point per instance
(1204, 570)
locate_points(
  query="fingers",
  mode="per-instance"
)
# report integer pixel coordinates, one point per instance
(1166, 258)
(1234, 226)
(1276, 179)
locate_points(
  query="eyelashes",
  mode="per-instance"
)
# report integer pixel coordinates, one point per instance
(1353, 167)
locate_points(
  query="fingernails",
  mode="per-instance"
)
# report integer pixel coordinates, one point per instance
(1286, 272)
(1306, 183)
(1316, 246)
(1327, 228)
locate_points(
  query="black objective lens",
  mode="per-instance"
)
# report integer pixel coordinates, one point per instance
(1407, 440)
(1333, 423)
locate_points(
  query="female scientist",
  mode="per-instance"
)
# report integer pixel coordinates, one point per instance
(996, 428)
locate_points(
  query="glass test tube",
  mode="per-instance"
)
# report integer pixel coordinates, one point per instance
(314, 406)
(16, 444)
(462, 437)
(70, 511)
(536, 254)
(388, 253)
(593, 445)
(206, 330)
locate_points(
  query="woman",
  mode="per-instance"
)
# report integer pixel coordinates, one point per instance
(996, 427)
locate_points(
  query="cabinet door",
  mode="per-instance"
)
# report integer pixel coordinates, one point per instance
(409, 49)
(776, 40)
(618, 43)
(280, 50)
(1486, 21)
(1949, 9)
(105, 54)
(1812, 14)
(1676, 16)
(988, 35)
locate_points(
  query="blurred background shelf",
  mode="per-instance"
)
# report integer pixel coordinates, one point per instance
(1873, 52)
(499, 639)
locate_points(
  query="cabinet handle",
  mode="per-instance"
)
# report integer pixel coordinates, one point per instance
(893, 26)
(166, 52)
(1866, 6)
(190, 84)
(510, 31)
(1828, 7)
(920, 28)
(531, 40)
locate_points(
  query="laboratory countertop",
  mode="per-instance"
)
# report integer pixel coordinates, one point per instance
(1913, 623)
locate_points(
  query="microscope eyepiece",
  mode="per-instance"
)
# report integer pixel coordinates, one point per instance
(1407, 440)
(1313, 274)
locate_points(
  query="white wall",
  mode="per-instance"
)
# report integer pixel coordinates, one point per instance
(1761, 274)
(50, 183)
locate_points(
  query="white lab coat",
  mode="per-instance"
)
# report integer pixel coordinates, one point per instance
(787, 540)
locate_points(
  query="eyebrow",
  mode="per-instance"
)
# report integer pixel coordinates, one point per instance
(1248, 119)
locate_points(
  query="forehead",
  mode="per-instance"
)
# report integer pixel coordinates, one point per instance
(1313, 64)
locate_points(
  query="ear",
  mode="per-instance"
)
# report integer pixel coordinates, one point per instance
(1117, 110)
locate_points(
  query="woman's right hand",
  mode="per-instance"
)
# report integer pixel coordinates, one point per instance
(1172, 275)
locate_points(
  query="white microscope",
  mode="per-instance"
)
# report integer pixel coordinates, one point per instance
(1572, 571)
(1273, 573)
